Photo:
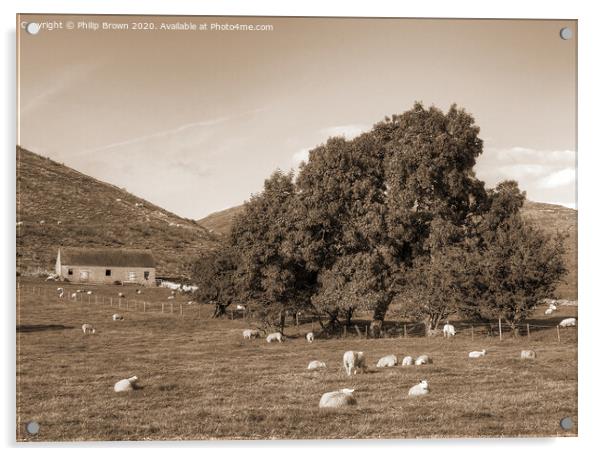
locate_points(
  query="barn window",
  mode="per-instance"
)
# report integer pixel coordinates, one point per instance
(108, 272)
(146, 275)
(70, 271)
(131, 276)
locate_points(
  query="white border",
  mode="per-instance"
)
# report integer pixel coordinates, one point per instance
(590, 148)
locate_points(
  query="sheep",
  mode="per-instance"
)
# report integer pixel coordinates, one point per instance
(121, 295)
(250, 333)
(274, 336)
(73, 295)
(420, 389)
(567, 322)
(354, 361)
(549, 311)
(449, 330)
(169, 298)
(407, 361)
(387, 361)
(313, 365)
(42, 222)
(61, 294)
(337, 399)
(78, 291)
(117, 317)
(240, 307)
(125, 385)
(190, 303)
(138, 291)
(309, 337)
(553, 307)
(423, 359)
(88, 292)
(88, 329)
(477, 354)
(527, 354)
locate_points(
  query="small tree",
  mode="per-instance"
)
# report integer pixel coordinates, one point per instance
(215, 275)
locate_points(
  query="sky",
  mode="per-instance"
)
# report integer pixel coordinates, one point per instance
(195, 120)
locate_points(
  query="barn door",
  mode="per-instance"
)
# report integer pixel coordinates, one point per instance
(84, 276)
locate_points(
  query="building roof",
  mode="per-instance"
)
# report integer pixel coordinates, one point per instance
(116, 257)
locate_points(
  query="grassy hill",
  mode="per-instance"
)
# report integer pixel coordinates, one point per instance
(57, 205)
(549, 217)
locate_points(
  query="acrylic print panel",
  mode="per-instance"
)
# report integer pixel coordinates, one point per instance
(295, 228)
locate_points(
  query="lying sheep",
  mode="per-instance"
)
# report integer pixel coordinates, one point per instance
(88, 329)
(527, 354)
(387, 361)
(553, 307)
(250, 333)
(240, 307)
(420, 389)
(274, 336)
(127, 384)
(121, 295)
(549, 311)
(138, 291)
(449, 330)
(88, 292)
(423, 359)
(567, 322)
(117, 317)
(407, 361)
(477, 354)
(316, 365)
(309, 337)
(73, 295)
(169, 298)
(337, 399)
(354, 361)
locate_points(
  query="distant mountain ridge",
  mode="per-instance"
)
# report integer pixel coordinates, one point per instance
(57, 205)
(549, 217)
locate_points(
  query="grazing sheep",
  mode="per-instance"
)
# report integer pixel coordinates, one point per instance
(313, 365)
(449, 330)
(567, 322)
(138, 291)
(169, 298)
(420, 389)
(73, 295)
(527, 354)
(88, 292)
(88, 329)
(477, 354)
(42, 222)
(553, 307)
(387, 361)
(250, 333)
(274, 336)
(240, 307)
(127, 384)
(121, 295)
(337, 399)
(190, 302)
(549, 311)
(78, 291)
(117, 317)
(309, 337)
(423, 359)
(407, 361)
(354, 361)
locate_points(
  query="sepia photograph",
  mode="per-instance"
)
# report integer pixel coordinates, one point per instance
(295, 228)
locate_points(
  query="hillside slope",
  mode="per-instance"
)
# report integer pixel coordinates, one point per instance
(57, 205)
(550, 218)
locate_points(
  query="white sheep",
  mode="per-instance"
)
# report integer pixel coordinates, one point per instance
(250, 333)
(336, 399)
(240, 307)
(354, 361)
(121, 295)
(549, 311)
(477, 354)
(73, 295)
(316, 365)
(309, 337)
(169, 298)
(553, 307)
(88, 329)
(138, 291)
(420, 389)
(387, 361)
(78, 291)
(527, 354)
(407, 361)
(449, 330)
(423, 359)
(127, 384)
(567, 322)
(88, 292)
(274, 336)
(117, 317)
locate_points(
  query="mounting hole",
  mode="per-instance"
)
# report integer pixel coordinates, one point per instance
(566, 33)
(566, 423)
(32, 427)
(33, 28)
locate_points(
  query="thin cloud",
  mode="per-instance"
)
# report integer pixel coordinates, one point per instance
(558, 179)
(348, 131)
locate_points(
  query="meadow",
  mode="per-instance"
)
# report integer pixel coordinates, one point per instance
(200, 380)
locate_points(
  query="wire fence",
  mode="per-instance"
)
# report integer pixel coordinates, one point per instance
(168, 306)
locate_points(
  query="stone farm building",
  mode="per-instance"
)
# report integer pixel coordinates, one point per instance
(106, 265)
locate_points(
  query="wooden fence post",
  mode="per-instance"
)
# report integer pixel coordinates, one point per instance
(558, 332)
(366, 331)
(471, 332)
(528, 332)
(171, 307)
(345, 331)
(181, 313)
(357, 330)
(111, 301)
(162, 306)
(143, 306)
(499, 322)
(405, 331)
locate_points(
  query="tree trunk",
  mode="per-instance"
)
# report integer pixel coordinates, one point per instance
(282, 322)
(378, 319)
(348, 316)
(220, 310)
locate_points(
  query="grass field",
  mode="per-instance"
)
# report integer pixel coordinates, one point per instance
(200, 380)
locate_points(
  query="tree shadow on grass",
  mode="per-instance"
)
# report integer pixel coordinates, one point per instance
(38, 328)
